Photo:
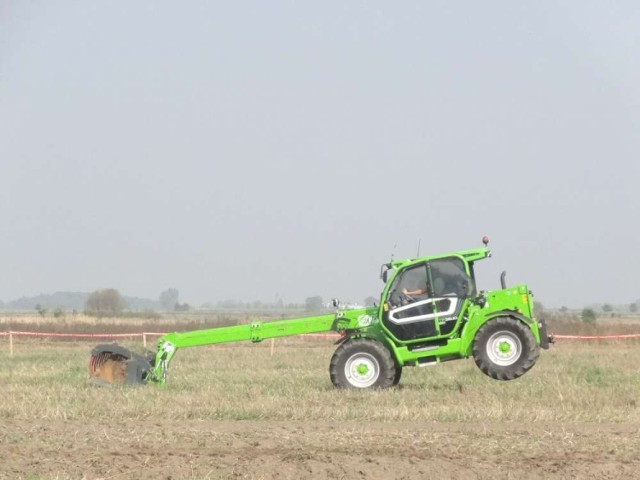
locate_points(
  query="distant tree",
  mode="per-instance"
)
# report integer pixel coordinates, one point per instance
(182, 307)
(313, 304)
(607, 307)
(230, 304)
(633, 308)
(589, 316)
(257, 305)
(370, 301)
(59, 312)
(564, 309)
(107, 301)
(169, 299)
(41, 310)
(538, 307)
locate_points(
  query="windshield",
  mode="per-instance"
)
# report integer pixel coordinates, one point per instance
(413, 279)
(436, 278)
(450, 278)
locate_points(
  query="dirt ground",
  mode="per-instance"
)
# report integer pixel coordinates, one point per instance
(263, 450)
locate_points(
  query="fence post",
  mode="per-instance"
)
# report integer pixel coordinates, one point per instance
(10, 343)
(273, 342)
(144, 340)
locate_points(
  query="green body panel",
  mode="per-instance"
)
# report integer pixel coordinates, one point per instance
(255, 331)
(456, 342)
(516, 302)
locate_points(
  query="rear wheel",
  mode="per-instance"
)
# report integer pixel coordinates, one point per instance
(396, 377)
(362, 363)
(504, 348)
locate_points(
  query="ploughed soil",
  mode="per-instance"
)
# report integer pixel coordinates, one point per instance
(157, 449)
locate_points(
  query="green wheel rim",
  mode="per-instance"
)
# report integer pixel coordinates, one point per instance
(504, 348)
(362, 370)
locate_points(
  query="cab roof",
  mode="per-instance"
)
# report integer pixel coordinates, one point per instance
(468, 255)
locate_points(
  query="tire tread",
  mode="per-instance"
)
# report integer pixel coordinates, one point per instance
(351, 347)
(522, 365)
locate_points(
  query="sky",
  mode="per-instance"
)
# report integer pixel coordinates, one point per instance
(279, 150)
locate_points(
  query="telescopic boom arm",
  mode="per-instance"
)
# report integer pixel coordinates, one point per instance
(255, 332)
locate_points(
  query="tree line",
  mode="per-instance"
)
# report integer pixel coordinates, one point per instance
(110, 302)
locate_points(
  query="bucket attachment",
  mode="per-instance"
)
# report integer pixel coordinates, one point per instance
(112, 363)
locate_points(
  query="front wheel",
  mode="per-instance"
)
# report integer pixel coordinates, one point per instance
(362, 363)
(504, 348)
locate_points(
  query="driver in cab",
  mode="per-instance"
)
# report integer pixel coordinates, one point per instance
(417, 291)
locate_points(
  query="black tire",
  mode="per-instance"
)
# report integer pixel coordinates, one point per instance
(396, 377)
(362, 363)
(504, 348)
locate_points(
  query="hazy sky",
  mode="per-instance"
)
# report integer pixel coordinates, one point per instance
(261, 150)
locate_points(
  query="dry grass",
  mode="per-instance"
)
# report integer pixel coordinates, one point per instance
(577, 382)
(575, 415)
(87, 324)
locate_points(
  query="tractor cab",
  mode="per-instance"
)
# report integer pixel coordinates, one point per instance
(426, 296)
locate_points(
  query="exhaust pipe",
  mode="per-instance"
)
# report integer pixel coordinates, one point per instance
(503, 282)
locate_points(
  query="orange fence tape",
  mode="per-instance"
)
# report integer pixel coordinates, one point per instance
(121, 335)
(80, 335)
(322, 335)
(597, 337)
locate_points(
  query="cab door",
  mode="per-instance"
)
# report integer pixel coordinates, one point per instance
(409, 316)
(425, 300)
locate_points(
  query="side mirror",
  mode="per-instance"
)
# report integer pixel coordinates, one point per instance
(384, 272)
(335, 302)
(481, 299)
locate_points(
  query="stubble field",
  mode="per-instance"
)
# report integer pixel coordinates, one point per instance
(247, 411)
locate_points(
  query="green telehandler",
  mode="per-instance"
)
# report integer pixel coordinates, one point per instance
(430, 312)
